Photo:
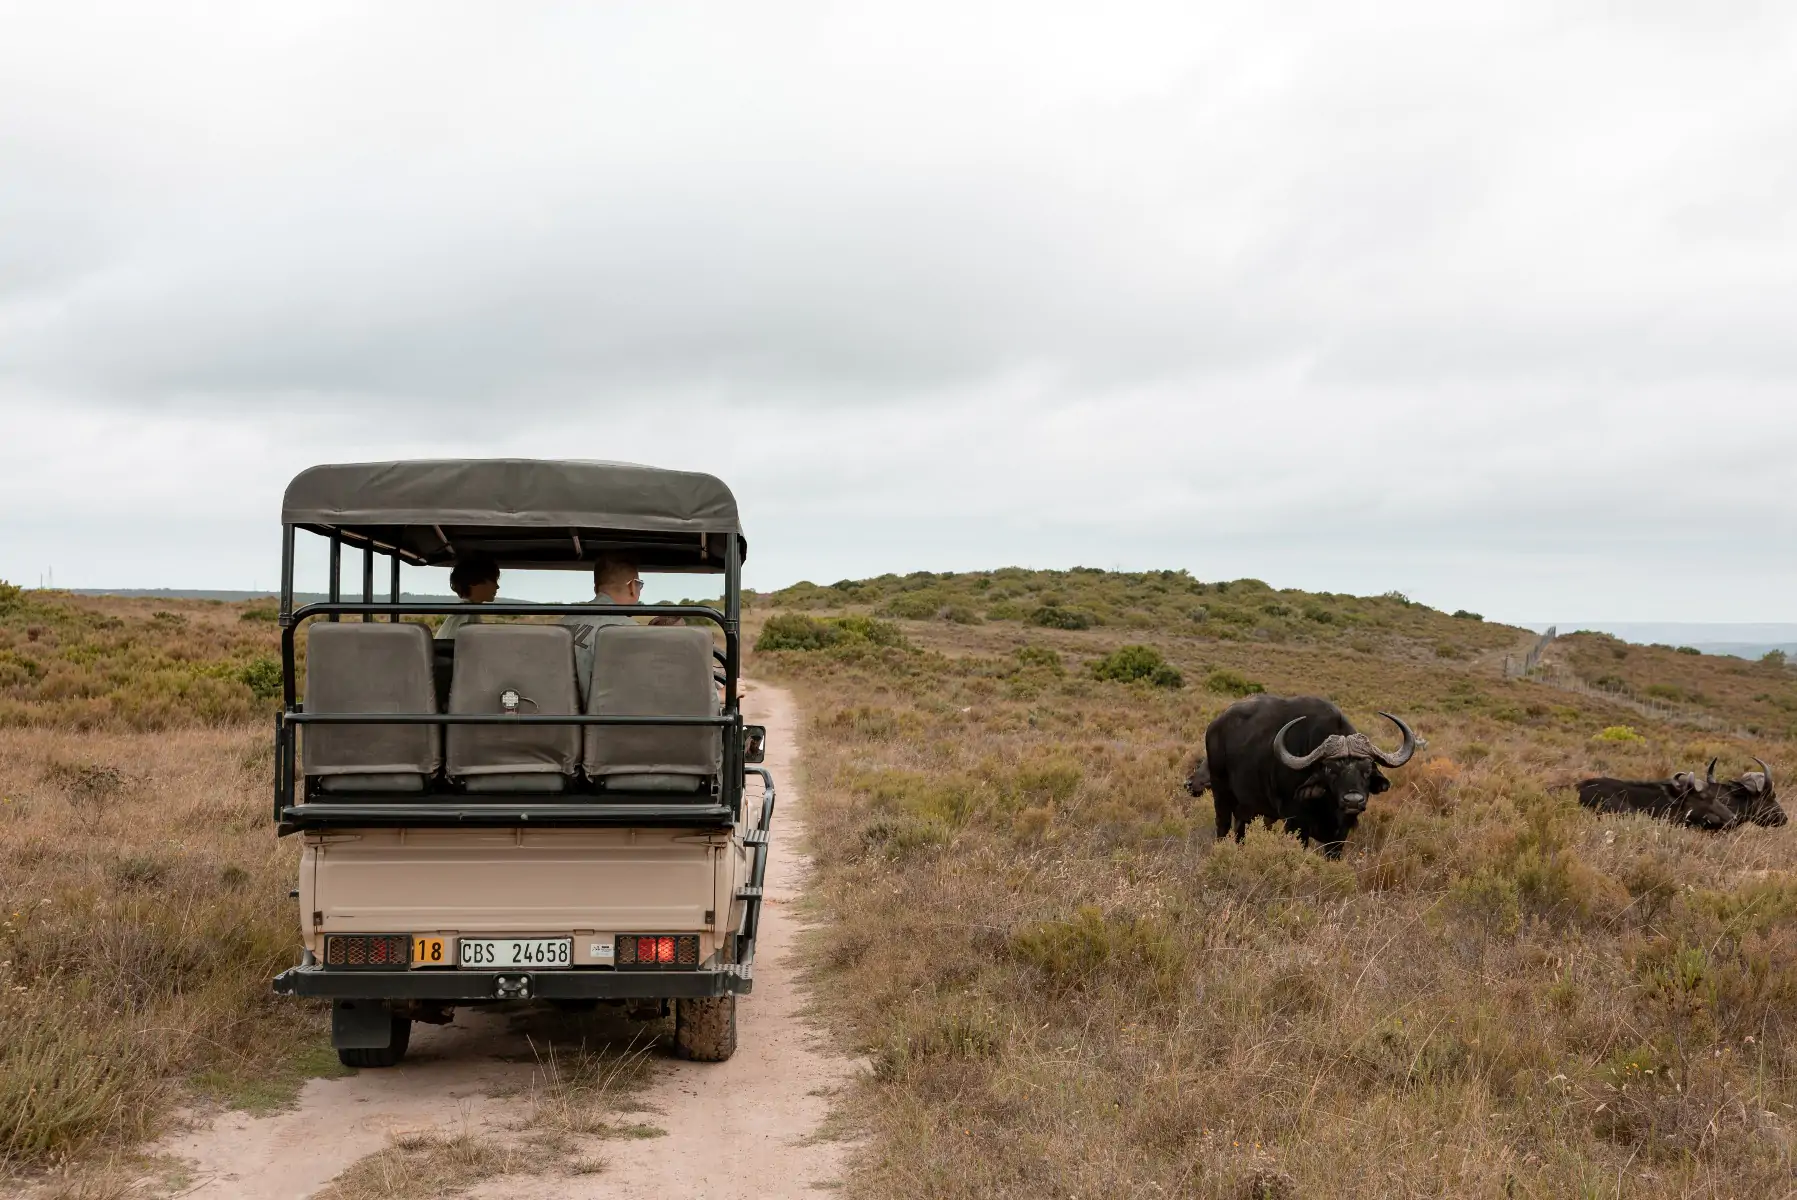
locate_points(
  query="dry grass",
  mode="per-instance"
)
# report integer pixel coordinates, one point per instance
(1067, 989)
(577, 1090)
(418, 1166)
(143, 910)
(143, 896)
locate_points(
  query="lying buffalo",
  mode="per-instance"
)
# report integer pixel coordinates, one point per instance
(1295, 760)
(1753, 797)
(1684, 799)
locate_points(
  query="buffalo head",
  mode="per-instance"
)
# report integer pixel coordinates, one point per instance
(1754, 797)
(1346, 766)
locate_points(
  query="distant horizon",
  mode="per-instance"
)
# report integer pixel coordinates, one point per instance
(1693, 633)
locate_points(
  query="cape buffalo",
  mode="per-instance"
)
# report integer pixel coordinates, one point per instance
(1684, 799)
(1298, 760)
(1753, 797)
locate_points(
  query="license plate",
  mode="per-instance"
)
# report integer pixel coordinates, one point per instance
(432, 952)
(506, 953)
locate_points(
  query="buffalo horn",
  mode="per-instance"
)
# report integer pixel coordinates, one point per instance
(1768, 771)
(1287, 757)
(1404, 751)
(1709, 777)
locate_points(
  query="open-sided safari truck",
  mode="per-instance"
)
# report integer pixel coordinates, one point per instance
(472, 830)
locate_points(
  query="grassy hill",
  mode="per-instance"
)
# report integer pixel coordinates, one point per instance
(1064, 986)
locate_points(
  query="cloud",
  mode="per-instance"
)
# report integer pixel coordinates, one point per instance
(1482, 302)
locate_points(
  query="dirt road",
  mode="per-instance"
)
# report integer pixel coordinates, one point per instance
(735, 1129)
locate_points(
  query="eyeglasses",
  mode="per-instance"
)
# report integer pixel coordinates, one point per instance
(636, 583)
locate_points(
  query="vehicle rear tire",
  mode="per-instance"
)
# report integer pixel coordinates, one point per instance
(705, 1028)
(386, 1056)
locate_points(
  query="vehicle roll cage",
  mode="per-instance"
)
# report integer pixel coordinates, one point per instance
(294, 812)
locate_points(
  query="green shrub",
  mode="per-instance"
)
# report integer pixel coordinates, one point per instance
(260, 613)
(1225, 682)
(1053, 616)
(1619, 733)
(1041, 657)
(796, 631)
(1005, 610)
(1137, 664)
(1689, 650)
(1072, 952)
(1319, 614)
(262, 677)
(961, 614)
(1462, 614)
(1771, 658)
(913, 606)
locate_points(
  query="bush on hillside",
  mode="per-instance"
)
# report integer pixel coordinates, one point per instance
(1137, 664)
(1040, 656)
(913, 606)
(262, 677)
(1230, 683)
(795, 631)
(1053, 616)
(1463, 614)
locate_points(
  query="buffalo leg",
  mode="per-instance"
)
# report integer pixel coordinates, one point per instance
(1224, 817)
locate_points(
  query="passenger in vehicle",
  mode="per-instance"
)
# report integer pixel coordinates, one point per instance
(475, 579)
(615, 581)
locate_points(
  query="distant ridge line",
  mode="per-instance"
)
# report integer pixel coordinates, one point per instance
(233, 596)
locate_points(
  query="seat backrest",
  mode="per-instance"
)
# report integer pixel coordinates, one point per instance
(653, 671)
(352, 667)
(537, 663)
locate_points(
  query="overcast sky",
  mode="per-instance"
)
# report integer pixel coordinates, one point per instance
(1492, 304)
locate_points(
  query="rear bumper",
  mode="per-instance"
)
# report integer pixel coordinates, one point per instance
(373, 812)
(474, 986)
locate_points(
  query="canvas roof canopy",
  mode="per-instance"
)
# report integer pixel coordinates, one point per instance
(526, 513)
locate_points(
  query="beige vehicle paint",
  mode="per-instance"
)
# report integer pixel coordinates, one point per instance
(522, 883)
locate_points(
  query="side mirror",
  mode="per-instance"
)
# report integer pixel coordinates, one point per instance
(754, 743)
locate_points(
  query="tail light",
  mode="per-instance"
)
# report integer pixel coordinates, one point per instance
(658, 951)
(368, 950)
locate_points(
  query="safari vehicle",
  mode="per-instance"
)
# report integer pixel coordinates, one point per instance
(472, 831)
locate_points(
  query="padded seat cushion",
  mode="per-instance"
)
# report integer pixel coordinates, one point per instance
(352, 667)
(652, 671)
(536, 662)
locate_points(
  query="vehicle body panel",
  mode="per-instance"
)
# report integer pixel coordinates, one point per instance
(520, 882)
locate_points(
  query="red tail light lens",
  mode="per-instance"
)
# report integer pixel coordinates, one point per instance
(368, 950)
(646, 950)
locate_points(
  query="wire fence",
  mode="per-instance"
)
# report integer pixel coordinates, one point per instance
(1530, 667)
(1517, 669)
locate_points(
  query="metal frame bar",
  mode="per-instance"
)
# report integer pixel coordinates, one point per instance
(336, 608)
(335, 591)
(368, 579)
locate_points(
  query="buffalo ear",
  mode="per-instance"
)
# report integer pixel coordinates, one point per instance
(1378, 783)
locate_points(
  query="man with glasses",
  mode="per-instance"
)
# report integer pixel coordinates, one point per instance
(615, 581)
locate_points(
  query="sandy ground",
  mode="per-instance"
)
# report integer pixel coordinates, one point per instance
(735, 1129)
